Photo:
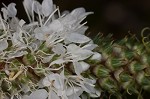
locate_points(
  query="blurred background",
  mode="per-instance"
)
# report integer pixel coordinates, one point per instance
(110, 16)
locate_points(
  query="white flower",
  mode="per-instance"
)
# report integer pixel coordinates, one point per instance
(72, 53)
(3, 44)
(80, 67)
(54, 80)
(96, 56)
(38, 94)
(45, 8)
(10, 11)
(77, 38)
(53, 95)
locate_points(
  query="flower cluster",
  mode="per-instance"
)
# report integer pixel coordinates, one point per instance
(45, 58)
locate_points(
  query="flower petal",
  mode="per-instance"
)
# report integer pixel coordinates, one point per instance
(82, 54)
(47, 7)
(96, 56)
(53, 95)
(39, 94)
(46, 81)
(84, 66)
(56, 26)
(77, 38)
(58, 61)
(77, 68)
(37, 7)
(78, 11)
(41, 32)
(90, 46)
(58, 49)
(12, 10)
(3, 44)
(74, 90)
(28, 5)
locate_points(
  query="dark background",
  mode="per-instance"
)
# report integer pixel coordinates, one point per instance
(110, 16)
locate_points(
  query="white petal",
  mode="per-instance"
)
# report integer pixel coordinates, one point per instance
(78, 11)
(39, 94)
(82, 54)
(68, 21)
(58, 49)
(47, 59)
(72, 90)
(84, 66)
(72, 48)
(58, 61)
(47, 7)
(53, 95)
(77, 38)
(3, 44)
(82, 30)
(96, 94)
(46, 81)
(28, 5)
(37, 7)
(5, 13)
(90, 46)
(58, 81)
(56, 26)
(96, 56)
(41, 32)
(12, 10)
(74, 96)
(24, 97)
(25, 88)
(21, 22)
(77, 68)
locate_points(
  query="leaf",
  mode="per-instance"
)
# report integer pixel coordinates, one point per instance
(47, 7)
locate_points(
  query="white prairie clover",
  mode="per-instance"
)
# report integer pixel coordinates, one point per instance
(46, 58)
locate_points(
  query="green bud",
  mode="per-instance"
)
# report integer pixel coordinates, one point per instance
(101, 71)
